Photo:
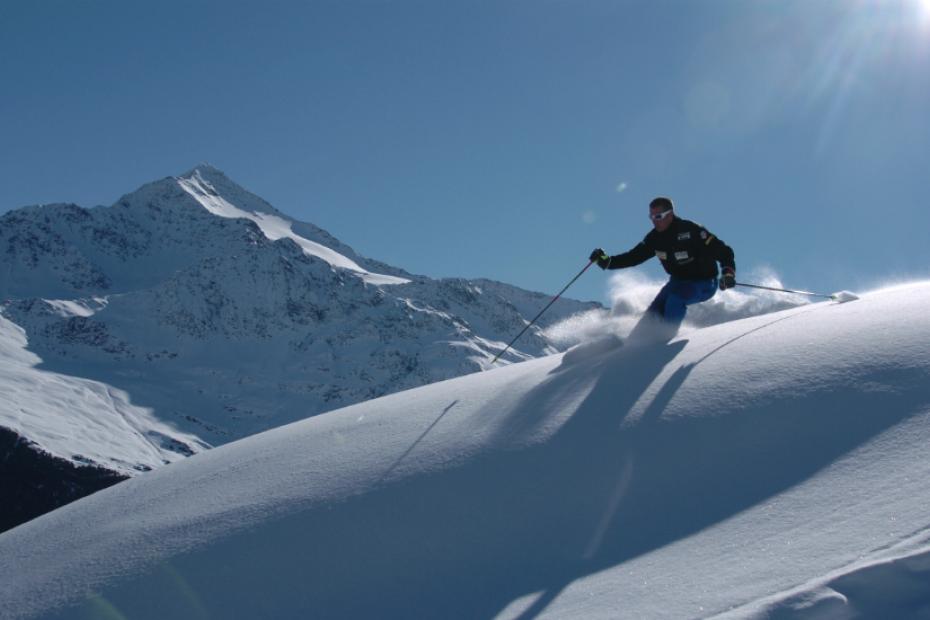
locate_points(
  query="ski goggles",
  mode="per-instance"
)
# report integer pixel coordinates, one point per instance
(655, 217)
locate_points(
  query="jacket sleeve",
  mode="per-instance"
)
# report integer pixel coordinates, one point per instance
(640, 254)
(718, 250)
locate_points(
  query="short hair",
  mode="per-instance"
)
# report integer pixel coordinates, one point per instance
(661, 202)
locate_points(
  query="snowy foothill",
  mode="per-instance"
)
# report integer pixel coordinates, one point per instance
(78, 419)
(771, 466)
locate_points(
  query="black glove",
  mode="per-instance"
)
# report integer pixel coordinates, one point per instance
(728, 279)
(600, 256)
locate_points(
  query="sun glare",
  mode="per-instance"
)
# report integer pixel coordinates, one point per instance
(886, 38)
(923, 10)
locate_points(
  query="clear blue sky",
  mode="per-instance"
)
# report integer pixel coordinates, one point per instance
(502, 139)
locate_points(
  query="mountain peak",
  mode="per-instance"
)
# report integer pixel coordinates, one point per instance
(214, 180)
(207, 180)
(206, 170)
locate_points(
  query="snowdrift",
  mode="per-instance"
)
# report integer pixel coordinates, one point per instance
(775, 465)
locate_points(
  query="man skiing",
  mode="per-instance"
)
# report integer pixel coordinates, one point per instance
(689, 254)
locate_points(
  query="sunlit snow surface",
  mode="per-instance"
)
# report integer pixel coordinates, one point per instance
(275, 227)
(78, 419)
(773, 466)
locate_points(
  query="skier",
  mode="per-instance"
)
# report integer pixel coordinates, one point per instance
(689, 254)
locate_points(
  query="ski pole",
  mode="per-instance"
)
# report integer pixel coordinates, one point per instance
(784, 290)
(496, 357)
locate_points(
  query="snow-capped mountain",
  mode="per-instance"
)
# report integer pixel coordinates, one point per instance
(191, 313)
(768, 467)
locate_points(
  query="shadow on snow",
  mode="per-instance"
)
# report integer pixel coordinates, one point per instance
(591, 493)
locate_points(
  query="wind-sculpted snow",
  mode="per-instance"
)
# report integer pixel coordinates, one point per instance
(889, 583)
(713, 474)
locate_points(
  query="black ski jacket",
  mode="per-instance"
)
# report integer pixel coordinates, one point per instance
(687, 251)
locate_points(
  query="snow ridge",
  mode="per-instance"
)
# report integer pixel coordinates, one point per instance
(275, 227)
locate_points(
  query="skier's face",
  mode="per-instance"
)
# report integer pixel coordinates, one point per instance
(662, 223)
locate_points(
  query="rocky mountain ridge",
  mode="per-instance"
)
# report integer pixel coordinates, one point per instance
(220, 316)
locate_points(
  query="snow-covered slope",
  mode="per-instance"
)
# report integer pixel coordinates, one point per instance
(87, 420)
(772, 466)
(200, 308)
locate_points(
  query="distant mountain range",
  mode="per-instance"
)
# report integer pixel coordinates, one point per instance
(192, 313)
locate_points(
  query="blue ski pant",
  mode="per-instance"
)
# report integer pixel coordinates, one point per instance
(672, 301)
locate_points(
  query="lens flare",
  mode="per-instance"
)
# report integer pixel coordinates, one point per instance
(869, 38)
